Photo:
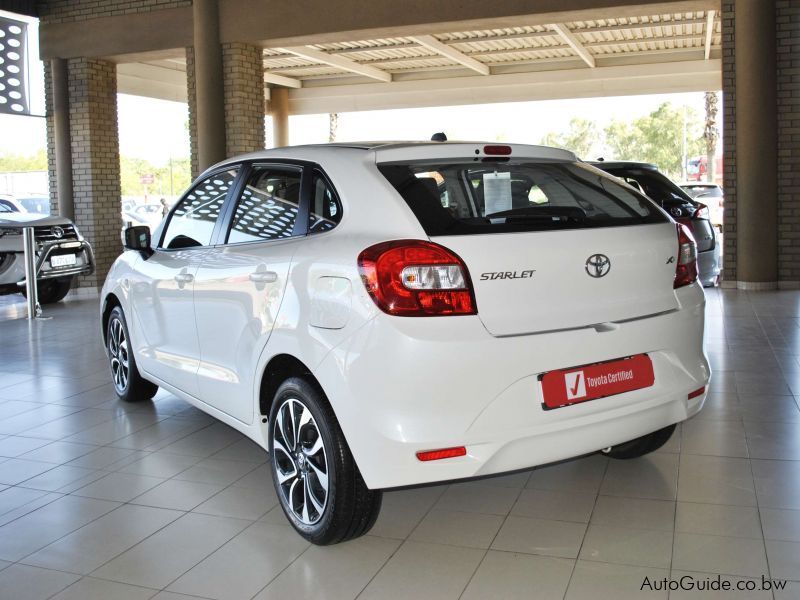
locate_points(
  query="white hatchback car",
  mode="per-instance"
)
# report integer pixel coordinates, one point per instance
(388, 315)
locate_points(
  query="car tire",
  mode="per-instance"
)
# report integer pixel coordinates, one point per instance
(317, 481)
(50, 291)
(641, 446)
(128, 382)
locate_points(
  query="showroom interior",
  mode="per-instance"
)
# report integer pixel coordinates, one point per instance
(101, 498)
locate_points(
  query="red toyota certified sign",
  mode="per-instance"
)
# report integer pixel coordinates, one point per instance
(571, 386)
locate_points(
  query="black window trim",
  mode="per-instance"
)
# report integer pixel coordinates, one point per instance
(229, 210)
(197, 182)
(307, 168)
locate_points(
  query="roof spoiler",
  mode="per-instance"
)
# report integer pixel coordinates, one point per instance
(468, 151)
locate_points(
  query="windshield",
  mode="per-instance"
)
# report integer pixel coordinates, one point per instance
(470, 198)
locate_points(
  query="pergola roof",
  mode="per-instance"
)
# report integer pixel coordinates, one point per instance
(633, 54)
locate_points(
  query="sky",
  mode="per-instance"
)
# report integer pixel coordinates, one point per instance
(157, 129)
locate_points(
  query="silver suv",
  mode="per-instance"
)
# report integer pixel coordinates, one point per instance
(61, 254)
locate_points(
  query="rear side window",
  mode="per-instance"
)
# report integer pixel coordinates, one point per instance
(325, 210)
(193, 220)
(267, 209)
(474, 198)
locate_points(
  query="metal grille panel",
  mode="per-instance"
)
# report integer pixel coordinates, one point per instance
(13, 72)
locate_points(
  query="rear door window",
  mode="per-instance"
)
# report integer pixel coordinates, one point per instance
(473, 198)
(267, 208)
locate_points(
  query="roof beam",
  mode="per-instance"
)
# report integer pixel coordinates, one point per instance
(709, 32)
(339, 62)
(282, 80)
(574, 43)
(431, 43)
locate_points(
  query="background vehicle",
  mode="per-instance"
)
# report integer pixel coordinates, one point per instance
(385, 315)
(711, 195)
(697, 168)
(61, 253)
(11, 204)
(35, 203)
(695, 215)
(149, 215)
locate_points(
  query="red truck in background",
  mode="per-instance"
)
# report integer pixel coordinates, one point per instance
(698, 167)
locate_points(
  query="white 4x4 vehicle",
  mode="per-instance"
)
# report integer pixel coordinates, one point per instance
(386, 315)
(61, 253)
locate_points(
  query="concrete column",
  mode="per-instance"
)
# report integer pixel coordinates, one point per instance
(279, 109)
(243, 68)
(210, 98)
(95, 160)
(62, 150)
(756, 145)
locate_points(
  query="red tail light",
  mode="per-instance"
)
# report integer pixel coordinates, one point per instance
(413, 278)
(702, 212)
(686, 271)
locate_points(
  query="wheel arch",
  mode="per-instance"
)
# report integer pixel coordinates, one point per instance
(109, 303)
(279, 368)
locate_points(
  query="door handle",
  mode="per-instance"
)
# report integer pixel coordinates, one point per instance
(184, 278)
(264, 277)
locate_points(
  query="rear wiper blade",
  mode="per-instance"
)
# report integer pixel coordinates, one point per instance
(542, 212)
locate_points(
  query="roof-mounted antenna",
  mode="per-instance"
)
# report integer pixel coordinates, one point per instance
(439, 137)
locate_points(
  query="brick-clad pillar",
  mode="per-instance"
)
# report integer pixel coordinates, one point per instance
(243, 72)
(191, 93)
(52, 182)
(788, 64)
(729, 139)
(95, 160)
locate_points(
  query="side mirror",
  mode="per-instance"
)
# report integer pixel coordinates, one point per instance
(138, 238)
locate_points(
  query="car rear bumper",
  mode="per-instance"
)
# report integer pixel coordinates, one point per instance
(709, 265)
(400, 386)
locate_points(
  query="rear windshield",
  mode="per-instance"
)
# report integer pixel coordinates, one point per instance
(474, 198)
(655, 184)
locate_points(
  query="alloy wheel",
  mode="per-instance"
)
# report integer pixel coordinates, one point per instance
(300, 462)
(118, 354)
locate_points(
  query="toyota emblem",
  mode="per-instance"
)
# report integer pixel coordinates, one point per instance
(676, 212)
(598, 265)
(58, 232)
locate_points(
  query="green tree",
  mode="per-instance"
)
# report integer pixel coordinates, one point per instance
(658, 138)
(583, 138)
(17, 163)
(166, 181)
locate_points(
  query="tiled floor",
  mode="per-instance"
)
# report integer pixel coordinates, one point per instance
(105, 500)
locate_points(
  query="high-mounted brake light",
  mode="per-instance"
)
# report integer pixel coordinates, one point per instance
(414, 278)
(497, 150)
(686, 270)
(443, 453)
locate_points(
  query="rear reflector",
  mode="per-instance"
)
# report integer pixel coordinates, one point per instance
(440, 454)
(697, 393)
(497, 150)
